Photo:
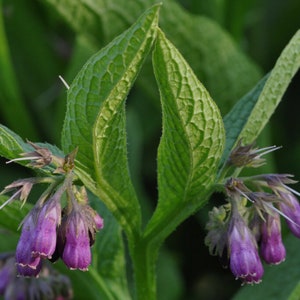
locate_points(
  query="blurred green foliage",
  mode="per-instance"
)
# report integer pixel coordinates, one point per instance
(229, 44)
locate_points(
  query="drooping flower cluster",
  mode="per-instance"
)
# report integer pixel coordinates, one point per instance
(247, 228)
(51, 231)
(50, 285)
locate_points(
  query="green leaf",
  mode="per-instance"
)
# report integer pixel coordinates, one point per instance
(109, 254)
(11, 145)
(95, 118)
(191, 143)
(85, 285)
(82, 16)
(250, 115)
(94, 18)
(12, 214)
(281, 75)
(211, 52)
(235, 121)
(280, 282)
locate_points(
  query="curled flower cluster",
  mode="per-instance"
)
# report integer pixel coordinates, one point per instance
(51, 231)
(50, 284)
(247, 228)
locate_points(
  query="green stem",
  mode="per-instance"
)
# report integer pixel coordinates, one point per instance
(144, 257)
(144, 251)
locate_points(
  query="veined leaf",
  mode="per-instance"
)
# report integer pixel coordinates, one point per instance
(216, 60)
(250, 115)
(95, 118)
(11, 144)
(191, 143)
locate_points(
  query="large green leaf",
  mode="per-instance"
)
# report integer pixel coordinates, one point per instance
(250, 115)
(95, 118)
(191, 143)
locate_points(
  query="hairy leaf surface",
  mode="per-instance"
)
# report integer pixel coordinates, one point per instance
(191, 143)
(95, 118)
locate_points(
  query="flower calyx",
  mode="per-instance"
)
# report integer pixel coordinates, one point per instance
(248, 155)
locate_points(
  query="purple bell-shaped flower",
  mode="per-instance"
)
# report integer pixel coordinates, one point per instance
(271, 248)
(77, 251)
(49, 218)
(245, 263)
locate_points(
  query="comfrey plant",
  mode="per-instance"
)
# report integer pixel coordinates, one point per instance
(199, 153)
(237, 230)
